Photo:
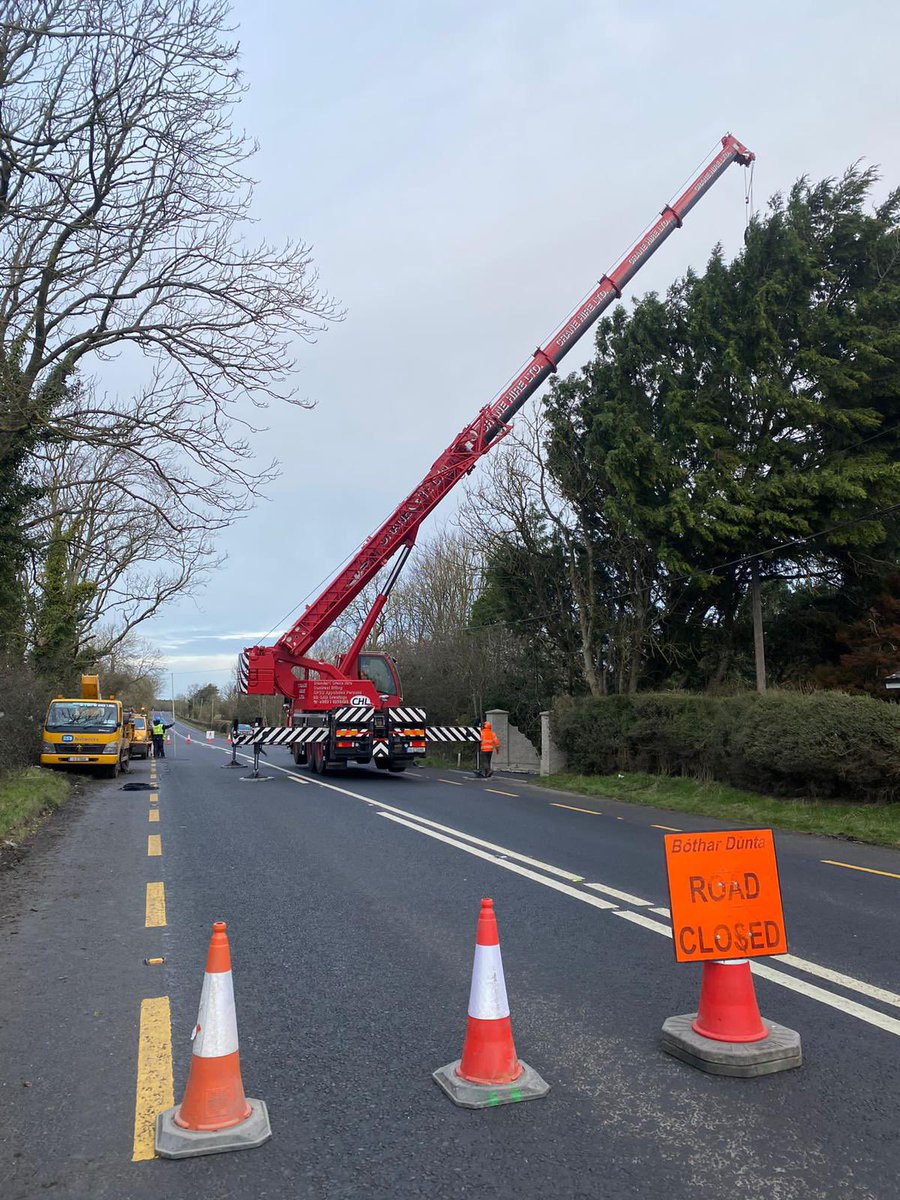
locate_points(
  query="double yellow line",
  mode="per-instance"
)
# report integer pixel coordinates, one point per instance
(155, 1088)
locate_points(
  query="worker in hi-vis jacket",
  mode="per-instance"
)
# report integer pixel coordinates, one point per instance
(158, 734)
(489, 743)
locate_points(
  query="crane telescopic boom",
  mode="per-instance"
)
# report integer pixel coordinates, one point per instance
(271, 669)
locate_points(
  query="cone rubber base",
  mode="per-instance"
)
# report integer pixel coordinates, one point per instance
(780, 1051)
(174, 1142)
(255, 778)
(529, 1086)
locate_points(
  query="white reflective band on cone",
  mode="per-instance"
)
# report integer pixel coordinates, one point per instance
(730, 962)
(487, 999)
(216, 1030)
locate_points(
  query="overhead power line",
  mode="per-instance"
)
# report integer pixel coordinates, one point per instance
(734, 562)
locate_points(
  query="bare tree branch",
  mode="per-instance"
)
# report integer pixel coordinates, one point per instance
(124, 206)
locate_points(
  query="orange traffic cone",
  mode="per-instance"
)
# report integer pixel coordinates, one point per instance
(489, 1072)
(489, 1054)
(188, 740)
(727, 1036)
(728, 1010)
(215, 1115)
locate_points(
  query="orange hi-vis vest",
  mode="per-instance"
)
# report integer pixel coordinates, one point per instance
(489, 739)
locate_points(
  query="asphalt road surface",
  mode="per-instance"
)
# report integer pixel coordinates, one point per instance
(351, 904)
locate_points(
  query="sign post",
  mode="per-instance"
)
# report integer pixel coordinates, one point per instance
(725, 900)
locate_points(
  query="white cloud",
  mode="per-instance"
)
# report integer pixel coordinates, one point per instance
(198, 664)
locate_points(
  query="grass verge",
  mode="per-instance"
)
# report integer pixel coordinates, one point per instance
(878, 824)
(450, 761)
(24, 795)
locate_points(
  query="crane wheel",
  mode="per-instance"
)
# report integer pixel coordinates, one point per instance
(320, 766)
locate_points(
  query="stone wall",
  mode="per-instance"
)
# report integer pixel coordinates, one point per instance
(516, 752)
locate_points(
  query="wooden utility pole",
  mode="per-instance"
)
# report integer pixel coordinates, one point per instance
(759, 643)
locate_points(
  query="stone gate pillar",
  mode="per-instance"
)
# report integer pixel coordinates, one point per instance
(499, 719)
(553, 760)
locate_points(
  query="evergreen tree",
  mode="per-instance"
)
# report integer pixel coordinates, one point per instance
(59, 655)
(752, 412)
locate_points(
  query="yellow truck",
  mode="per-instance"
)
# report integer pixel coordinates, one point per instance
(87, 731)
(140, 735)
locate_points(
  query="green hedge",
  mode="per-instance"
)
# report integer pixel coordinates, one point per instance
(784, 743)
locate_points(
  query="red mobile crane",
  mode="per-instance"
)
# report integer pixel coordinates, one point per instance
(352, 709)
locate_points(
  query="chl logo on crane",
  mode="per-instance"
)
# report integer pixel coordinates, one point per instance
(362, 701)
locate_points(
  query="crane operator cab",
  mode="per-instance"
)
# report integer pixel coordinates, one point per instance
(381, 671)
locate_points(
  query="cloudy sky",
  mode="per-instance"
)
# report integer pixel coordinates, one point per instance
(464, 172)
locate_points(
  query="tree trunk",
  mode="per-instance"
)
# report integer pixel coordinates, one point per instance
(589, 669)
(634, 670)
(759, 645)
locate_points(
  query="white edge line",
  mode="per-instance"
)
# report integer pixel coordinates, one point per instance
(626, 896)
(847, 981)
(881, 1020)
(644, 922)
(594, 901)
(851, 1007)
(837, 977)
(534, 862)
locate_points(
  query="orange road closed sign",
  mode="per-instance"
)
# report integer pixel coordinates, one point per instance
(724, 895)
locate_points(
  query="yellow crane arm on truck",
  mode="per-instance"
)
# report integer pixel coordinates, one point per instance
(87, 731)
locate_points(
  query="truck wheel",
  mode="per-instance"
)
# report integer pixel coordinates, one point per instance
(320, 766)
(396, 769)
